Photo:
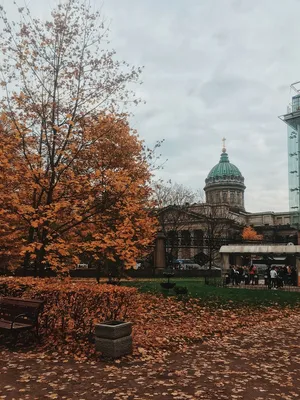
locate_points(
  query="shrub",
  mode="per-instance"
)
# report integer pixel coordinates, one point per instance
(181, 290)
(71, 308)
(167, 285)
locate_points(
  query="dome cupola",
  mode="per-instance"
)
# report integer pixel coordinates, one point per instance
(225, 183)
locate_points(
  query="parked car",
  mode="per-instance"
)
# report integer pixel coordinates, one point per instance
(186, 264)
(82, 266)
(213, 267)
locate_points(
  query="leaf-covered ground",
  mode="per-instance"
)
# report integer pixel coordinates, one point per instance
(245, 354)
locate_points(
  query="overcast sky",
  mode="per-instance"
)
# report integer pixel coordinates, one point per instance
(213, 68)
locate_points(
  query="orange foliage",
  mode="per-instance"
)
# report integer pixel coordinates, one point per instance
(97, 205)
(71, 309)
(160, 325)
(250, 234)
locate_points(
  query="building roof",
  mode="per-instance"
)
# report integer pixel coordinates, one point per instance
(224, 173)
(224, 169)
(260, 249)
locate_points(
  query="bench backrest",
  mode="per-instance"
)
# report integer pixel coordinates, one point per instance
(10, 307)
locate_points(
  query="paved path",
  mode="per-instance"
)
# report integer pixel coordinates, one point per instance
(254, 364)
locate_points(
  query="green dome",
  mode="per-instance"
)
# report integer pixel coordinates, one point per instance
(224, 169)
(224, 173)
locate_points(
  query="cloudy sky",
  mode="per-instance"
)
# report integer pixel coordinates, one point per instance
(213, 68)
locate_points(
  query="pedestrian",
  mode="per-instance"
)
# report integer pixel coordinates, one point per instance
(246, 275)
(236, 276)
(273, 275)
(252, 272)
(294, 276)
(232, 274)
(98, 271)
(241, 274)
(280, 277)
(285, 274)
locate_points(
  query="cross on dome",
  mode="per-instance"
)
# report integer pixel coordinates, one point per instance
(224, 147)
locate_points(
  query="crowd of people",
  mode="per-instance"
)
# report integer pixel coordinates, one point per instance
(274, 276)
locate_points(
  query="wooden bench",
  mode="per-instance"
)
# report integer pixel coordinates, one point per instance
(18, 315)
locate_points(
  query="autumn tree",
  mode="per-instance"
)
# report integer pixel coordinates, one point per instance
(74, 177)
(250, 233)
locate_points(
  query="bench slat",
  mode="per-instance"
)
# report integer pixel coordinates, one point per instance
(16, 301)
(17, 325)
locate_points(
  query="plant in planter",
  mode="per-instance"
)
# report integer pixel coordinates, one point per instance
(168, 285)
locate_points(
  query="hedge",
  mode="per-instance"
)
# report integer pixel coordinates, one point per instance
(71, 309)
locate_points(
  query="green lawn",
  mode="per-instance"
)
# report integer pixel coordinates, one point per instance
(218, 296)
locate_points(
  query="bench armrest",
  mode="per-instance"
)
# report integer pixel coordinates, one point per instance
(20, 315)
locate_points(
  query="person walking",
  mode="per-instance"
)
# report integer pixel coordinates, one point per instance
(252, 272)
(236, 276)
(273, 275)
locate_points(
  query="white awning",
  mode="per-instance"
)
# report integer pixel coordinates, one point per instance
(260, 249)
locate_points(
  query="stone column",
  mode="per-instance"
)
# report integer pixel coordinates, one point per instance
(193, 248)
(225, 262)
(160, 251)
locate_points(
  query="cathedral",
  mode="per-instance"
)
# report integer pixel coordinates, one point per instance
(225, 184)
(199, 230)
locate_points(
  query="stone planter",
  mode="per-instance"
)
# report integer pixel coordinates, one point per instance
(113, 338)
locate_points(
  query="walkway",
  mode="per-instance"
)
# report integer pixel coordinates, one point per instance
(262, 286)
(262, 363)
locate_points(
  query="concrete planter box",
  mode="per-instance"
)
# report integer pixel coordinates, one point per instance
(113, 329)
(114, 348)
(113, 338)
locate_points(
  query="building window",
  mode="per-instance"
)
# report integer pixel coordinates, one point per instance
(185, 238)
(296, 103)
(198, 237)
(172, 239)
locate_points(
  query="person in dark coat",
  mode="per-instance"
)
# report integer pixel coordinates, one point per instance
(294, 276)
(98, 271)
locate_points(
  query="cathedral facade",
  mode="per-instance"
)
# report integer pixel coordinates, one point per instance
(199, 230)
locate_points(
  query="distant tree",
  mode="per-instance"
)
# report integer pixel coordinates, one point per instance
(169, 193)
(173, 203)
(250, 233)
(219, 226)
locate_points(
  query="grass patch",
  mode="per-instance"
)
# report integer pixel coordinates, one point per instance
(214, 296)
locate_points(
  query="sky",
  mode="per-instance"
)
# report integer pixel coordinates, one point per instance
(212, 69)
